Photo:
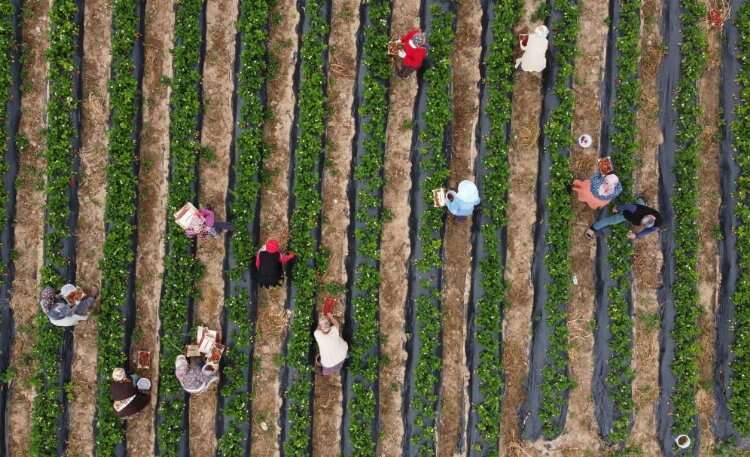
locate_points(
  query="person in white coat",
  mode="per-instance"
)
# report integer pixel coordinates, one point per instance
(535, 50)
(331, 346)
(461, 204)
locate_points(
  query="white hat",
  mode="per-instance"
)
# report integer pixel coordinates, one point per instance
(468, 192)
(67, 289)
(542, 31)
(118, 374)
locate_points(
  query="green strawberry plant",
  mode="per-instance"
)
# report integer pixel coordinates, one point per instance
(8, 47)
(119, 210)
(250, 152)
(624, 151)
(311, 100)
(62, 106)
(739, 399)
(368, 173)
(489, 308)
(182, 271)
(438, 115)
(556, 381)
(685, 203)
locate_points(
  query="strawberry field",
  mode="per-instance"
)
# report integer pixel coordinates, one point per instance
(509, 333)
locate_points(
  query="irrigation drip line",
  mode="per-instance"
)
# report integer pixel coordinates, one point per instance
(724, 428)
(12, 15)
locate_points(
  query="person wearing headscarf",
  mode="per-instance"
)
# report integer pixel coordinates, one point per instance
(59, 309)
(194, 379)
(270, 262)
(332, 348)
(126, 397)
(209, 227)
(535, 50)
(598, 191)
(412, 53)
(637, 213)
(461, 204)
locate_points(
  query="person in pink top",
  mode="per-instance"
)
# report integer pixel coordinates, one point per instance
(210, 226)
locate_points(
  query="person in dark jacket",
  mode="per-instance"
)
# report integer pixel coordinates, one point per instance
(270, 264)
(127, 399)
(412, 53)
(637, 213)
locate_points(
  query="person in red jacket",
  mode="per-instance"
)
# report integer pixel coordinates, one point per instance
(412, 53)
(270, 264)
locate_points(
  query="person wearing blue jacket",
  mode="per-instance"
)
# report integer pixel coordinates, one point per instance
(461, 204)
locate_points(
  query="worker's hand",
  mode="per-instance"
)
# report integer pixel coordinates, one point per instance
(401, 53)
(631, 235)
(615, 209)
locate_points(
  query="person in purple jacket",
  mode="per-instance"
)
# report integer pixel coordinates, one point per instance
(637, 213)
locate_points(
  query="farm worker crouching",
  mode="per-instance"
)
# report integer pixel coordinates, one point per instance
(598, 191)
(637, 213)
(210, 226)
(270, 264)
(533, 58)
(412, 53)
(332, 348)
(192, 377)
(69, 307)
(127, 398)
(461, 204)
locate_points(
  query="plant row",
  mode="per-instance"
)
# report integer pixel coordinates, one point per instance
(624, 151)
(182, 271)
(556, 381)
(368, 173)
(490, 307)
(685, 203)
(435, 172)
(304, 222)
(62, 106)
(8, 46)
(247, 166)
(119, 210)
(739, 400)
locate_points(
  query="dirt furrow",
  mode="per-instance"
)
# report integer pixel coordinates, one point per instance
(709, 276)
(97, 54)
(29, 223)
(647, 259)
(342, 71)
(152, 204)
(395, 245)
(218, 123)
(581, 429)
(274, 222)
(454, 407)
(523, 157)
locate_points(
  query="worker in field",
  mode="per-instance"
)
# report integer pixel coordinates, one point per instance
(209, 226)
(534, 47)
(411, 52)
(637, 214)
(597, 191)
(461, 203)
(332, 348)
(127, 399)
(193, 378)
(270, 263)
(69, 307)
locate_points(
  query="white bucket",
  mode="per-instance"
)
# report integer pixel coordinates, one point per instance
(143, 384)
(682, 441)
(584, 140)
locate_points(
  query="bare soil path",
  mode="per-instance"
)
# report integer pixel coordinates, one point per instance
(97, 56)
(523, 157)
(218, 124)
(29, 223)
(709, 275)
(271, 323)
(581, 431)
(336, 215)
(454, 408)
(395, 245)
(647, 259)
(152, 207)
